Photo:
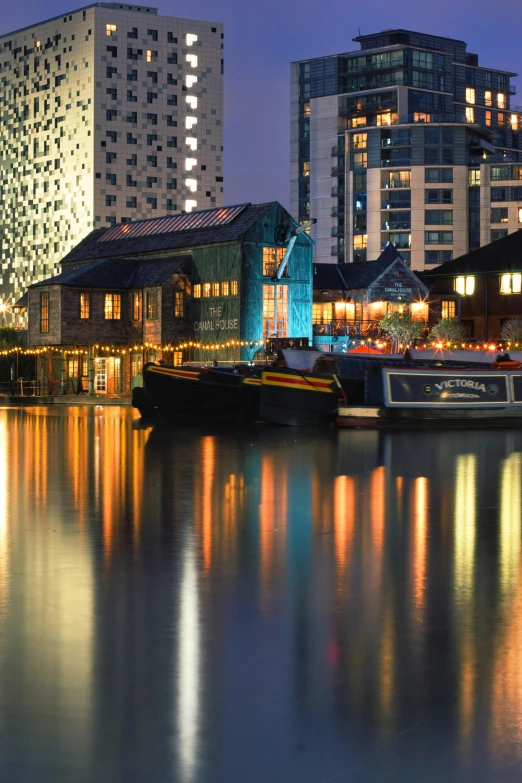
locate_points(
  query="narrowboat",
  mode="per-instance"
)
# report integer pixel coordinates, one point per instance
(229, 394)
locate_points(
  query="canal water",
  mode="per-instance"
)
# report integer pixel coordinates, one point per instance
(257, 605)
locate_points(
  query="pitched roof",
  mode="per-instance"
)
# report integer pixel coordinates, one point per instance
(118, 273)
(94, 246)
(503, 255)
(360, 274)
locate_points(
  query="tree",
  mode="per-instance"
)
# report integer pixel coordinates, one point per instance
(447, 330)
(511, 331)
(401, 327)
(8, 337)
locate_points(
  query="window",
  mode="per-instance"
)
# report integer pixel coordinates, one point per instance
(152, 202)
(170, 205)
(112, 307)
(360, 141)
(131, 97)
(321, 313)
(499, 215)
(110, 72)
(44, 312)
(113, 51)
(113, 92)
(85, 306)
(111, 178)
(110, 28)
(132, 76)
(179, 304)
(215, 289)
(438, 256)
(151, 97)
(172, 58)
(360, 160)
(500, 120)
(501, 100)
(438, 217)
(465, 286)
(473, 177)
(112, 135)
(172, 100)
(131, 140)
(438, 237)
(110, 200)
(225, 288)
(520, 215)
(153, 34)
(488, 98)
(234, 288)
(172, 141)
(136, 306)
(272, 257)
(151, 139)
(470, 114)
(132, 202)
(133, 33)
(448, 308)
(133, 160)
(470, 95)
(152, 118)
(206, 290)
(511, 283)
(110, 114)
(171, 38)
(153, 75)
(438, 175)
(152, 160)
(150, 56)
(498, 233)
(275, 310)
(152, 305)
(110, 157)
(196, 291)
(488, 118)
(360, 241)
(399, 179)
(151, 181)
(514, 121)
(438, 197)
(132, 117)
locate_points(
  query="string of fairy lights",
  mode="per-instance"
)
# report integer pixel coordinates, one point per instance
(149, 347)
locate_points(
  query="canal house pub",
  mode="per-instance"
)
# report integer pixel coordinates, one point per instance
(351, 299)
(152, 289)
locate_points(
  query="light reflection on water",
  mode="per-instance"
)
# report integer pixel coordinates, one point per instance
(270, 604)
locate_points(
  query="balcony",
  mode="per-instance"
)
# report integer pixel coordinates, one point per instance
(403, 204)
(395, 164)
(396, 225)
(336, 152)
(397, 184)
(346, 328)
(400, 244)
(336, 170)
(337, 191)
(334, 212)
(512, 89)
(387, 143)
(337, 231)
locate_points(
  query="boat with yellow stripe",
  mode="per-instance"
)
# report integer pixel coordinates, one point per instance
(217, 394)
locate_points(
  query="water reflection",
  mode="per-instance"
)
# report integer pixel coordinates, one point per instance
(221, 606)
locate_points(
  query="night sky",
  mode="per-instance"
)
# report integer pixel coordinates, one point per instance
(261, 39)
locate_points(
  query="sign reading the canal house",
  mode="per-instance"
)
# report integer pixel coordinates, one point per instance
(397, 284)
(217, 320)
(433, 389)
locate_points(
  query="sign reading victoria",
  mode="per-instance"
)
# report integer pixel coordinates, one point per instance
(449, 388)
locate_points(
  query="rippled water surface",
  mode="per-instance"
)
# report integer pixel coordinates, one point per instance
(257, 605)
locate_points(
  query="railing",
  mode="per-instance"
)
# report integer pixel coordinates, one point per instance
(396, 225)
(23, 388)
(397, 204)
(343, 328)
(396, 184)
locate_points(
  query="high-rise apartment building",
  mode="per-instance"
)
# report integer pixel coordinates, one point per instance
(407, 141)
(108, 114)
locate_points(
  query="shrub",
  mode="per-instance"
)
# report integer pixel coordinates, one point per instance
(447, 330)
(401, 327)
(511, 331)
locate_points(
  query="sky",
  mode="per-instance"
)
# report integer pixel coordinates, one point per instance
(261, 39)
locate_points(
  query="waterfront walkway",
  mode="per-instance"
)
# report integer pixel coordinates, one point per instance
(64, 399)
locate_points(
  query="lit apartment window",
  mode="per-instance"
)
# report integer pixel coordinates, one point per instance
(206, 289)
(215, 289)
(306, 110)
(360, 160)
(110, 28)
(234, 287)
(179, 304)
(358, 122)
(470, 114)
(192, 60)
(191, 39)
(360, 141)
(152, 305)
(474, 177)
(225, 288)
(44, 312)
(488, 118)
(196, 291)
(514, 121)
(306, 168)
(321, 313)
(501, 100)
(470, 95)
(112, 307)
(500, 120)
(465, 286)
(85, 306)
(520, 215)
(511, 283)
(360, 241)
(488, 98)
(150, 56)
(448, 309)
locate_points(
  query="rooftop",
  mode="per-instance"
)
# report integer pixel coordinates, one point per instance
(118, 273)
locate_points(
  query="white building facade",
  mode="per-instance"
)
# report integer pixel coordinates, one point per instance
(109, 113)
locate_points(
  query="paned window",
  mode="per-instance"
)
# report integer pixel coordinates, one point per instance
(179, 304)
(136, 306)
(448, 308)
(44, 312)
(511, 283)
(112, 307)
(499, 215)
(225, 288)
(465, 286)
(215, 289)
(470, 114)
(152, 305)
(501, 100)
(85, 306)
(439, 237)
(196, 291)
(206, 290)
(275, 310)
(234, 288)
(470, 95)
(272, 257)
